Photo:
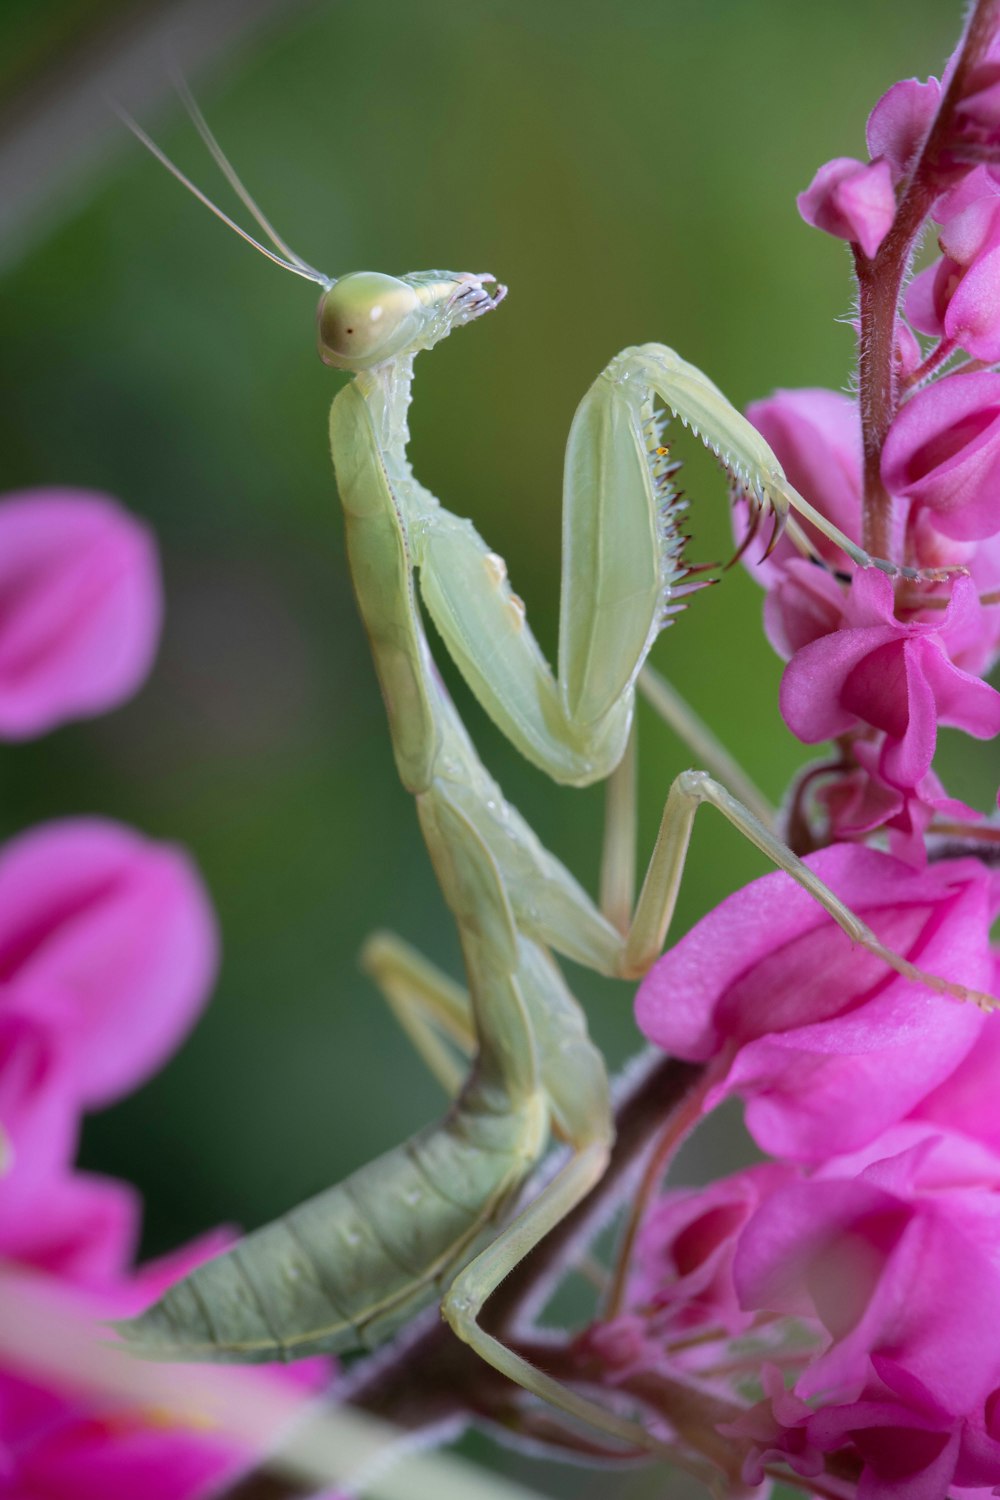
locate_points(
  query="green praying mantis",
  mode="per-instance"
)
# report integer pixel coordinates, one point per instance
(438, 1217)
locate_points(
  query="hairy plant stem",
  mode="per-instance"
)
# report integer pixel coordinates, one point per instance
(880, 281)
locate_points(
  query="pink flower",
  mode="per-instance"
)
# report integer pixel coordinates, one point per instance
(893, 1268)
(113, 932)
(942, 452)
(859, 800)
(959, 296)
(826, 1045)
(685, 1250)
(80, 608)
(853, 201)
(776, 1431)
(816, 436)
(39, 1111)
(899, 677)
(899, 123)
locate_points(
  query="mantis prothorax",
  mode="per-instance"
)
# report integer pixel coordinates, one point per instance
(431, 1218)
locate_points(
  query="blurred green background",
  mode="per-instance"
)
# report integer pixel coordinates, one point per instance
(630, 171)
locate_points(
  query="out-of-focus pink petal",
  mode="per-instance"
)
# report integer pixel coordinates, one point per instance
(80, 607)
(943, 451)
(38, 1100)
(979, 110)
(967, 1100)
(851, 200)
(121, 926)
(79, 1227)
(900, 120)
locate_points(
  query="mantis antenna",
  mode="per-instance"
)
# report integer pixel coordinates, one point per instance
(296, 265)
(232, 177)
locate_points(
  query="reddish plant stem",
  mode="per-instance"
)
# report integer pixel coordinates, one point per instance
(880, 281)
(675, 1132)
(939, 355)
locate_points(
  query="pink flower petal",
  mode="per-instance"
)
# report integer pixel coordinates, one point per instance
(900, 121)
(943, 451)
(119, 925)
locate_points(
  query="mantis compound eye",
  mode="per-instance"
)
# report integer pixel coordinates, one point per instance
(365, 318)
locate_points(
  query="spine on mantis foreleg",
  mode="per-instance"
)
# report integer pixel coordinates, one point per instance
(700, 405)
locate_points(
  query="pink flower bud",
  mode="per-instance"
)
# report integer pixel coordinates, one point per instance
(80, 608)
(685, 1250)
(943, 452)
(959, 296)
(852, 201)
(859, 800)
(900, 121)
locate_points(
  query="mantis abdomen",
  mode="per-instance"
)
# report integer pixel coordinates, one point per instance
(349, 1266)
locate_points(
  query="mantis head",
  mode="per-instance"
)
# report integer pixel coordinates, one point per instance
(367, 318)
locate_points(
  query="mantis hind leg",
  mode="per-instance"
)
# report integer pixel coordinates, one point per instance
(433, 1010)
(472, 1287)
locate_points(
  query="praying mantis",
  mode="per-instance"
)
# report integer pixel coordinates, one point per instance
(440, 1216)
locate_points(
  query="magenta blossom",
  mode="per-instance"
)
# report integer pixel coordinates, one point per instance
(907, 1449)
(827, 1046)
(851, 200)
(943, 453)
(80, 608)
(897, 1259)
(899, 677)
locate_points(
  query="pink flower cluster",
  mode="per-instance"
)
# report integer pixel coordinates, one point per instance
(911, 470)
(108, 950)
(837, 1306)
(861, 1263)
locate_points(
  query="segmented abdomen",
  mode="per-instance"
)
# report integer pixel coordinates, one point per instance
(346, 1268)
